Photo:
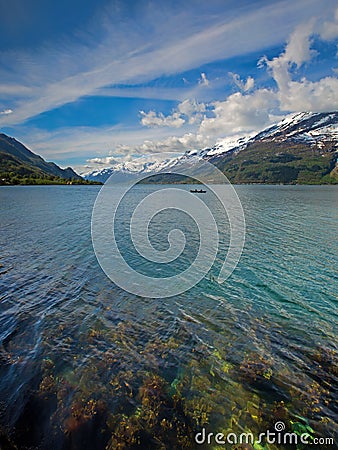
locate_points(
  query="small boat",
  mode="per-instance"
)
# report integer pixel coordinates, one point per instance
(197, 191)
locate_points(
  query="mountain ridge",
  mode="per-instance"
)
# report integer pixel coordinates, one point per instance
(19, 165)
(301, 148)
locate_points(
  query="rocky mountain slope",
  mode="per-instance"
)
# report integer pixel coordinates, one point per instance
(302, 148)
(18, 163)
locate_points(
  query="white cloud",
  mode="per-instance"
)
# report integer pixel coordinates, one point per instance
(192, 110)
(296, 53)
(130, 163)
(88, 142)
(188, 111)
(303, 95)
(153, 119)
(106, 161)
(176, 144)
(204, 80)
(6, 112)
(298, 49)
(306, 95)
(240, 113)
(60, 73)
(329, 29)
(189, 107)
(170, 145)
(249, 110)
(244, 86)
(196, 124)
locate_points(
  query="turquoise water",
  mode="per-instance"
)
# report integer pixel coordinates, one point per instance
(86, 365)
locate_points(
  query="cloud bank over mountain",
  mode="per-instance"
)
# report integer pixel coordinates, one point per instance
(143, 79)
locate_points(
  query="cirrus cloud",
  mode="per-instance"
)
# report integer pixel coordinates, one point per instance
(127, 62)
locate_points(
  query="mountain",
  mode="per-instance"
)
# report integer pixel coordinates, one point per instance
(18, 164)
(126, 169)
(302, 148)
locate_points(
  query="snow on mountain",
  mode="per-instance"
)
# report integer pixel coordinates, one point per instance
(312, 129)
(131, 168)
(222, 146)
(303, 126)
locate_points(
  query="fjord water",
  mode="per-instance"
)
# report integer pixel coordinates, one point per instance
(86, 365)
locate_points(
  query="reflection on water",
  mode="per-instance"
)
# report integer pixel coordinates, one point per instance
(85, 365)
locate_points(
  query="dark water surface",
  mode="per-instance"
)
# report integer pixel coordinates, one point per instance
(85, 365)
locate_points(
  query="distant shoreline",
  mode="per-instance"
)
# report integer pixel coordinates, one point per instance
(76, 183)
(173, 184)
(52, 184)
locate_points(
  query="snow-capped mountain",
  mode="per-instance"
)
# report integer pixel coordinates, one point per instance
(317, 131)
(315, 128)
(132, 168)
(222, 146)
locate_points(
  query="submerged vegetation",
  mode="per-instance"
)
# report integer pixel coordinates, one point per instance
(166, 394)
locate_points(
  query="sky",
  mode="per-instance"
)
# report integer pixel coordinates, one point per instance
(93, 83)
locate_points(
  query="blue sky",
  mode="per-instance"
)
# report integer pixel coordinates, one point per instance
(93, 83)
